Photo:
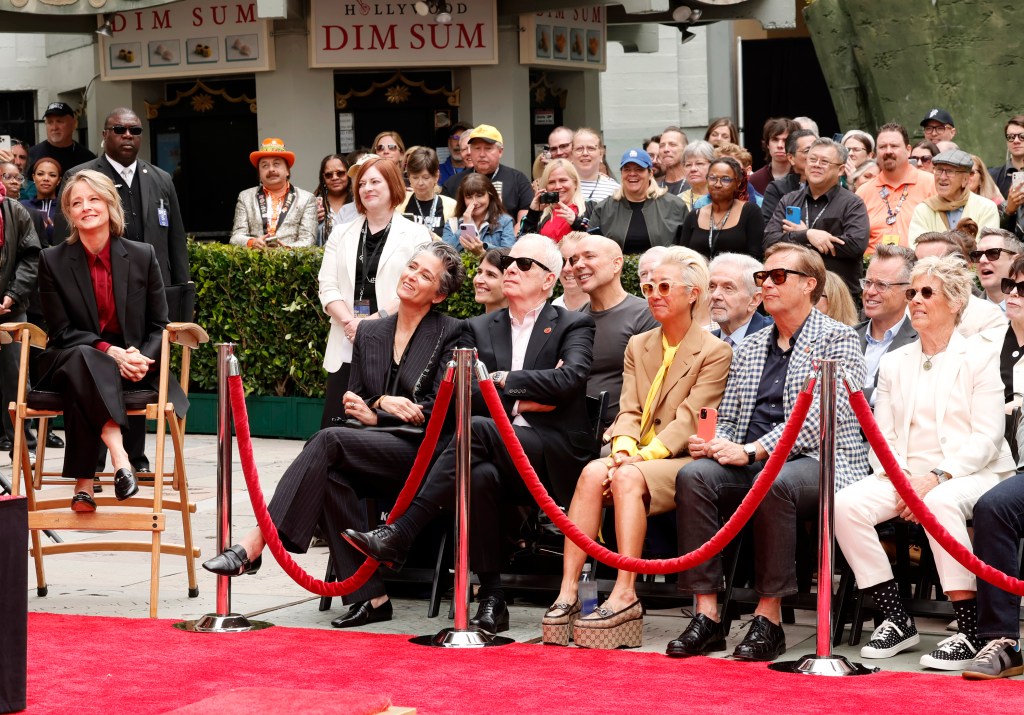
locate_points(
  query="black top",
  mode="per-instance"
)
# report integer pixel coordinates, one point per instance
(68, 156)
(419, 212)
(745, 237)
(1008, 357)
(770, 409)
(637, 238)
(676, 187)
(367, 259)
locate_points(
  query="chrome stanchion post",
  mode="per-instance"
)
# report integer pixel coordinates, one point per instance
(462, 636)
(223, 620)
(823, 662)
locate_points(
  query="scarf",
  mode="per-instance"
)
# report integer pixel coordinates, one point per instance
(941, 206)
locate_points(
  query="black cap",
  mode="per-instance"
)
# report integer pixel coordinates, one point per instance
(58, 109)
(938, 115)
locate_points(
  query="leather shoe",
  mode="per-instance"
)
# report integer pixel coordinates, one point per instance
(384, 544)
(97, 488)
(125, 485)
(491, 615)
(701, 636)
(764, 641)
(233, 561)
(361, 613)
(6, 445)
(83, 503)
(54, 441)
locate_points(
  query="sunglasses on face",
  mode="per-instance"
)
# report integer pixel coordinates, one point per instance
(915, 160)
(1015, 136)
(121, 129)
(1008, 286)
(926, 292)
(778, 276)
(387, 147)
(455, 138)
(523, 263)
(992, 254)
(663, 288)
(333, 174)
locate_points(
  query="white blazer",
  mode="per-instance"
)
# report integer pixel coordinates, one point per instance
(983, 316)
(338, 274)
(969, 414)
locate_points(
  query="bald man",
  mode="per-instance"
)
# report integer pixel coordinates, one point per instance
(597, 265)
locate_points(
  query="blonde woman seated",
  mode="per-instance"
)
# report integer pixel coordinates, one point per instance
(669, 374)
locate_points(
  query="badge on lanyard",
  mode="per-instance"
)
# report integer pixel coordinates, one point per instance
(161, 215)
(362, 308)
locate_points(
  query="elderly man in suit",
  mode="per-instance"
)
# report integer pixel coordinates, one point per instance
(734, 297)
(540, 356)
(768, 371)
(884, 294)
(939, 406)
(275, 213)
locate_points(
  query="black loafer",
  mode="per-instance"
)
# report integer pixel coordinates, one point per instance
(701, 636)
(233, 561)
(359, 614)
(764, 641)
(97, 487)
(491, 615)
(383, 544)
(125, 484)
(83, 503)
(54, 441)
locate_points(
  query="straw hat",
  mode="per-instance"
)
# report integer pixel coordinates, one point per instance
(270, 148)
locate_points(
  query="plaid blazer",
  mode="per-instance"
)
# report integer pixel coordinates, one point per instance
(821, 338)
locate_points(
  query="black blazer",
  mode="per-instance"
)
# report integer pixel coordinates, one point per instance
(156, 185)
(559, 335)
(69, 303)
(422, 368)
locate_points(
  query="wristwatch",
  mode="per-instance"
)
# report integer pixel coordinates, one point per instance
(941, 476)
(751, 450)
(498, 377)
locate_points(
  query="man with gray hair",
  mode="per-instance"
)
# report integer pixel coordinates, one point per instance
(996, 250)
(648, 260)
(833, 220)
(734, 297)
(540, 357)
(486, 148)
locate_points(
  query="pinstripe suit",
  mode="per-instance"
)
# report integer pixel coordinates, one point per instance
(340, 465)
(707, 491)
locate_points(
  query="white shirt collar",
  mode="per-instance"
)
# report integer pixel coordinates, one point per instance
(120, 169)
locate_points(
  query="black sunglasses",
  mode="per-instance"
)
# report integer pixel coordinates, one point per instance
(1008, 286)
(992, 254)
(524, 263)
(333, 174)
(926, 292)
(778, 276)
(121, 129)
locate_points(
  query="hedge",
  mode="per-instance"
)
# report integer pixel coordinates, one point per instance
(266, 302)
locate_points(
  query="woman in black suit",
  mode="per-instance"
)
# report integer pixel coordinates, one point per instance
(103, 300)
(397, 367)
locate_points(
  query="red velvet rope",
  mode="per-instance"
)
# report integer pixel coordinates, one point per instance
(737, 521)
(937, 531)
(259, 504)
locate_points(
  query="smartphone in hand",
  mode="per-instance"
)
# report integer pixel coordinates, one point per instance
(793, 214)
(468, 229)
(707, 423)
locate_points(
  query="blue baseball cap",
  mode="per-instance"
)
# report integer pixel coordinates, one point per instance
(638, 157)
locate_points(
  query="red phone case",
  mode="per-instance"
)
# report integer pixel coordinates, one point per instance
(706, 423)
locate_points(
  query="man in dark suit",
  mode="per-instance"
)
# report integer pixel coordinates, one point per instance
(734, 297)
(541, 357)
(151, 216)
(885, 305)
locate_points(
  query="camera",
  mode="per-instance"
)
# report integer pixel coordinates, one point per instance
(549, 197)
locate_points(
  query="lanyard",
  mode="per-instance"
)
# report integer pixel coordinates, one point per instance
(373, 256)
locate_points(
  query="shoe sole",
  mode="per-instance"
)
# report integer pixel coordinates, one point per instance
(928, 662)
(628, 634)
(559, 633)
(396, 567)
(869, 652)
(714, 647)
(759, 659)
(1008, 673)
(83, 508)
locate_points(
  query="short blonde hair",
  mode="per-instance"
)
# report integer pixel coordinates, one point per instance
(954, 275)
(105, 189)
(693, 269)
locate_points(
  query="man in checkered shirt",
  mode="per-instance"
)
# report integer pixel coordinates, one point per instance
(769, 369)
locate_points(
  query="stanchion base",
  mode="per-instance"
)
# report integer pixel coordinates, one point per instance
(216, 623)
(454, 638)
(834, 665)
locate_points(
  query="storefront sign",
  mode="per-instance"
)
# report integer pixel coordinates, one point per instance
(391, 34)
(572, 38)
(186, 39)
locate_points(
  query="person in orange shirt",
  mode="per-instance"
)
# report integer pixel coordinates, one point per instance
(891, 196)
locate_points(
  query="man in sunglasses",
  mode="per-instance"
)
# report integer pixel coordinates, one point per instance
(769, 369)
(61, 124)
(992, 259)
(539, 357)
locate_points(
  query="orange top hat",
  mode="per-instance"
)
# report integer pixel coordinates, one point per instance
(270, 148)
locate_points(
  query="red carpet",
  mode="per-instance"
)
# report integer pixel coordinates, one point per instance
(80, 664)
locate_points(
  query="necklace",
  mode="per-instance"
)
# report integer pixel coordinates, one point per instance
(893, 213)
(719, 227)
(928, 358)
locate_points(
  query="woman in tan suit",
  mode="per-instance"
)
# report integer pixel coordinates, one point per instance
(669, 374)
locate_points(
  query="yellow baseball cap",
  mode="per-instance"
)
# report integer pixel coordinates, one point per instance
(487, 133)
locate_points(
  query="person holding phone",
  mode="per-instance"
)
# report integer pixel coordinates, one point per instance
(669, 374)
(558, 207)
(480, 221)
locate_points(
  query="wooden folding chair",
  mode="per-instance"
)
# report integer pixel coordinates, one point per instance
(139, 513)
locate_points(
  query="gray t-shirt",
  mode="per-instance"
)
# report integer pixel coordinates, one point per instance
(615, 327)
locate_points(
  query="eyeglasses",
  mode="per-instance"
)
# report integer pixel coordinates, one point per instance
(120, 129)
(805, 152)
(561, 147)
(992, 254)
(723, 180)
(934, 128)
(333, 174)
(948, 171)
(663, 288)
(816, 161)
(926, 292)
(1015, 136)
(523, 263)
(880, 286)
(16, 178)
(586, 149)
(778, 276)
(1008, 286)
(915, 160)
(455, 138)
(387, 147)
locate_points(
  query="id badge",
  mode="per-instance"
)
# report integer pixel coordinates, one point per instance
(891, 239)
(362, 308)
(161, 215)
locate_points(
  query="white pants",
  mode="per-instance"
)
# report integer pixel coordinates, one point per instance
(872, 500)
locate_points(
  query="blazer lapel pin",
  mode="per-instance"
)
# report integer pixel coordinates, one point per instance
(547, 331)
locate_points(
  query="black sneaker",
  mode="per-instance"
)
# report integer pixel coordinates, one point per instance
(1001, 658)
(955, 653)
(890, 639)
